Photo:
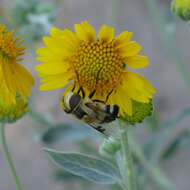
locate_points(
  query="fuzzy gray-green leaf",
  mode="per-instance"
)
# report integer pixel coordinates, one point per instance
(91, 168)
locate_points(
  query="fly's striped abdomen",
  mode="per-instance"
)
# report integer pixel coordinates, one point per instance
(111, 113)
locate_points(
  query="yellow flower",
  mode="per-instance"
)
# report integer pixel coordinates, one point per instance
(14, 78)
(10, 114)
(97, 65)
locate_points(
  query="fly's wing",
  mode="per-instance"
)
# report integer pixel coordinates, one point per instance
(103, 122)
(94, 107)
(108, 129)
(98, 128)
(101, 111)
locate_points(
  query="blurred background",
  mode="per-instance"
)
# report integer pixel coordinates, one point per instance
(165, 40)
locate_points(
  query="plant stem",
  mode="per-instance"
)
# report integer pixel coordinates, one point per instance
(122, 183)
(127, 158)
(9, 159)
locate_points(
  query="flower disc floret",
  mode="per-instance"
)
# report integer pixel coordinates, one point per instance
(8, 47)
(98, 67)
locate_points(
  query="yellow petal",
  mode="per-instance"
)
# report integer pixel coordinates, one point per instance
(137, 87)
(126, 107)
(24, 73)
(52, 68)
(53, 82)
(18, 79)
(50, 59)
(47, 55)
(57, 47)
(59, 43)
(136, 62)
(121, 99)
(129, 49)
(139, 96)
(64, 37)
(44, 51)
(71, 37)
(106, 34)
(54, 32)
(133, 87)
(139, 81)
(123, 38)
(147, 84)
(85, 31)
(125, 103)
(5, 95)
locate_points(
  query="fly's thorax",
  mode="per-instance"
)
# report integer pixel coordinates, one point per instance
(91, 113)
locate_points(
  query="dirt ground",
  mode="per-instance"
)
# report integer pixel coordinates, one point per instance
(172, 96)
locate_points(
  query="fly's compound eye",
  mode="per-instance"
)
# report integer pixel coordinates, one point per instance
(70, 101)
(74, 101)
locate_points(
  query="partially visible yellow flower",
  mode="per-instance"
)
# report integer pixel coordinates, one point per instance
(97, 65)
(181, 8)
(14, 78)
(9, 114)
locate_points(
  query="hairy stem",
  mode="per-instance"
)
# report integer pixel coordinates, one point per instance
(127, 158)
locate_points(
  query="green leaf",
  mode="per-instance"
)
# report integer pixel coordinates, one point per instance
(61, 175)
(91, 168)
(67, 132)
(116, 187)
(181, 142)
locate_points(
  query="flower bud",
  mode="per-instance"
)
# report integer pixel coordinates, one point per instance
(110, 146)
(10, 114)
(181, 8)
